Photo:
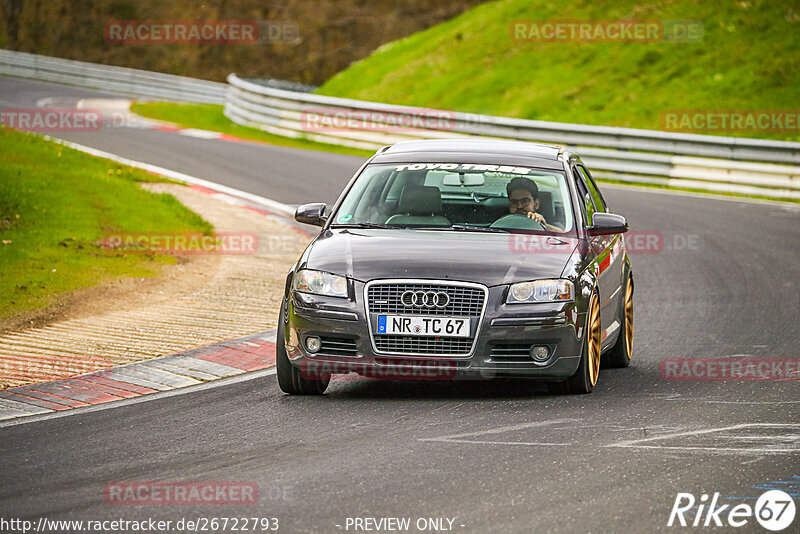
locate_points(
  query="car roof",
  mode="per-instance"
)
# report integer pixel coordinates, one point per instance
(476, 146)
(474, 150)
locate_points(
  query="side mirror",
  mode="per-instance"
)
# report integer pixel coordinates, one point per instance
(607, 224)
(315, 214)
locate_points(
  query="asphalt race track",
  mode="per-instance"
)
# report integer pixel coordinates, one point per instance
(493, 456)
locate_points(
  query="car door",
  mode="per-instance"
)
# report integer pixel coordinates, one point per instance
(609, 261)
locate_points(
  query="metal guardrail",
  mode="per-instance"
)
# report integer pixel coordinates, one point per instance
(117, 80)
(286, 85)
(713, 163)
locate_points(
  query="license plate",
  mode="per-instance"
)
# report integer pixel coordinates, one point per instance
(421, 325)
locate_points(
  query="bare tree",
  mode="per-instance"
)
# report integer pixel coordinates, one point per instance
(12, 12)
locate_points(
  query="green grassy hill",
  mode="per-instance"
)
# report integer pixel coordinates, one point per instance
(747, 60)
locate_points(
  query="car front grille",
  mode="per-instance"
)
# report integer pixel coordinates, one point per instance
(435, 364)
(423, 345)
(337, 346)
(463, 300)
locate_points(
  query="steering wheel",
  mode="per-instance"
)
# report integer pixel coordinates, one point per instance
(517, 221)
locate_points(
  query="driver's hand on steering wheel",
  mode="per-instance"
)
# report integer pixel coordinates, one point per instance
(536, 217)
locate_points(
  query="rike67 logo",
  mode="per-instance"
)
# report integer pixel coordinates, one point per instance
(774, 510)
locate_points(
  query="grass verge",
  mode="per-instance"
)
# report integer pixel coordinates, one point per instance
(56, 204)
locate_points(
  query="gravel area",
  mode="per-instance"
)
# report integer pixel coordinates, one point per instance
(201, 300)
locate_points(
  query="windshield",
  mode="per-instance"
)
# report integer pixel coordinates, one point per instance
(459, 196)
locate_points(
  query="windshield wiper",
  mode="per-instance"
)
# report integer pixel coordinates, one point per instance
(366, 225)
(458, 227)
(468, 228)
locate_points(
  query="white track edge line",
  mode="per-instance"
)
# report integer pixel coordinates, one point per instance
(267, 202)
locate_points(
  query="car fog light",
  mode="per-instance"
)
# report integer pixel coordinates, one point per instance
(539, 353)
(313, 344)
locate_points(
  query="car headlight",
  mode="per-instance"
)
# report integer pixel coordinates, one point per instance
(541, 291)
(320, 283)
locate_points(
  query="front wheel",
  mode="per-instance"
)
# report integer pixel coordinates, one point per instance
(585, 378)
(290, 378)
(620, 354)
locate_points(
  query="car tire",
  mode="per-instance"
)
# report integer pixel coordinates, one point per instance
(585, 378)
(622, 351)
(290, 378)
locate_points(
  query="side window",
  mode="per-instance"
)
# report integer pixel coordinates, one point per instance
(586, 198)
(598, 199)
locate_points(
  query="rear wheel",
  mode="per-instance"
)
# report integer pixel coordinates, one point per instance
(585, 378)
(620, 354)
(290, 378)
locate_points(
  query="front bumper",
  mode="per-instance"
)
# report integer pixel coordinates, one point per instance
(503, 338)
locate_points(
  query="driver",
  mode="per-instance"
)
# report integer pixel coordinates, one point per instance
(523, 198)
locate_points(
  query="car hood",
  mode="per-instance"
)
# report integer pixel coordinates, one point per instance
(490, 259)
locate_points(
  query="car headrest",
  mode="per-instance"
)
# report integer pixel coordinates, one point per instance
(546, 205)
(420, 200)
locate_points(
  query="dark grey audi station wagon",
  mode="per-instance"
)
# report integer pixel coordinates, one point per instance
(459, 258)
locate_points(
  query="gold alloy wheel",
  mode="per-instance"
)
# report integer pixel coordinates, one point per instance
(629, 320)
(593, 340)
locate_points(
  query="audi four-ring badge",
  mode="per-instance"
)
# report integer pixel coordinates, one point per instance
(458, 259)
(425, 299)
